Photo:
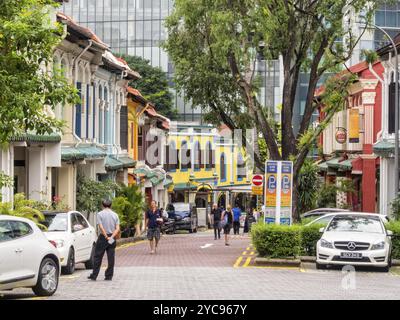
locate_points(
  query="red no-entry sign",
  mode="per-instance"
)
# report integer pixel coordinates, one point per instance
(258, 180)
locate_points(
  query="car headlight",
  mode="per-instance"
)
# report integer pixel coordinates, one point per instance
(59, 243)
(186, 219)
(326, 244)
(378, 246)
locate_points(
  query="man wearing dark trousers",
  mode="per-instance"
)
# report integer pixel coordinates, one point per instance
(108, 222)
(216, 214)
(236, 219)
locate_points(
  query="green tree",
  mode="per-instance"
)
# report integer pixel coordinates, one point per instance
(91, 193)
(215, 44)
(308, 186)
(29, 84)
(129, 204)
(153, 85)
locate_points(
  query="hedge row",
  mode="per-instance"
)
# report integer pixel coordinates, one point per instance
(282, 241)
(394, 226)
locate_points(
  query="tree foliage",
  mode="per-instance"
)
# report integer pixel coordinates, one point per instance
(29, 84)
(91, 193)
(215, 44)
(308, 186)
(153, 85)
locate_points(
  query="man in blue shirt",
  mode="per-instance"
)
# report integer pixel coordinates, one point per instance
(152, 222)
(237, 212)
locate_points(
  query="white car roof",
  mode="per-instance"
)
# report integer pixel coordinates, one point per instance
(7, 217)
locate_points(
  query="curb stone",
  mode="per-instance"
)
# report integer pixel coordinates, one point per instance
(130, 240)
(277, 262)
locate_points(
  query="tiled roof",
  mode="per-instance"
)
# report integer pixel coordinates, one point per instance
(29, 137)
(82, 152)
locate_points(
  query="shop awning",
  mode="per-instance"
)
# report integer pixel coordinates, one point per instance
(338, 163)
(168, 181)
(384, 148)
(114, 163)
(82, 152)
(322, 166)
(29, 137)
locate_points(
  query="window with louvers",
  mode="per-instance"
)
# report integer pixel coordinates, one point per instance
(391, 117)
(124, 127)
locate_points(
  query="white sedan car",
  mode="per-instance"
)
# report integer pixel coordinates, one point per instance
(27, 258)
(74, 236)
(355, 239)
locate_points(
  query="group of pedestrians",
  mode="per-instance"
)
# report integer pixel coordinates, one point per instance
(109, 226)
(225, 219)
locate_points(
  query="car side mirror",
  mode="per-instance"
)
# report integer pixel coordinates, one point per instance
(389, 233)
(321, 230)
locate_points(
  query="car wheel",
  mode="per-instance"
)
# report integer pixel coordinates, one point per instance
(89, 263)
(320, 266)
(385, 269)
(47, 282)
(195, 230)
(70, 268)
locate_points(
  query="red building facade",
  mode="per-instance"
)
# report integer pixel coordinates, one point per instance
(347, 142)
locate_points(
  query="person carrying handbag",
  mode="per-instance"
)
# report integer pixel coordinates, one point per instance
(153, 222)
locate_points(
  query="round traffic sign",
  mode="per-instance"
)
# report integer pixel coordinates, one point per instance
(258, 180)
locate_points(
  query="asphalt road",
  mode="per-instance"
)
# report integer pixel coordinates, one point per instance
(195, 266)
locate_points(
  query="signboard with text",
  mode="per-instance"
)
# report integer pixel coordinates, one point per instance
(257, 185)
(278, 191)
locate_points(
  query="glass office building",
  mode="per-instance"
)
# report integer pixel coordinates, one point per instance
(135, 27)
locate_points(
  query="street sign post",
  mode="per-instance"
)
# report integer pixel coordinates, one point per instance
(278, 192)
(257, 185)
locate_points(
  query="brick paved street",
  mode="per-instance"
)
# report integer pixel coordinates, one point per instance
(183, 270)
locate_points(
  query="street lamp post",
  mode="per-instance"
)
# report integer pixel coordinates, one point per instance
(396, 107)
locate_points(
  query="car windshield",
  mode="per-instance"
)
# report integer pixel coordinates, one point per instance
(355, 224)
(56, 222)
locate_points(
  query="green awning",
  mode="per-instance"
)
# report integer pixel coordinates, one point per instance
(113, 163)
(127, 162)
(82, 152)
(346, 164)
(323, 166)
(29, 137)
(157, 179)
(168, 181)
(184, 186)
(338, 163)
(141, 170)
(384, 148)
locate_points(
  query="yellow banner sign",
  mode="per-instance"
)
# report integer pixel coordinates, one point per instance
(354, 124)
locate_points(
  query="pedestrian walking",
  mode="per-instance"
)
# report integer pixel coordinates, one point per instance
(153, 221)
(216, 213)
(237, 212)
(108, 222)
(227, 216)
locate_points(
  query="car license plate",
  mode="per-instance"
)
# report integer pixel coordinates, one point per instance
(351, 255)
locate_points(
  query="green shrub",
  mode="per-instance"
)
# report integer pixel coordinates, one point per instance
(309, 236)
(394, 226)
(395, 207)
(276, 241)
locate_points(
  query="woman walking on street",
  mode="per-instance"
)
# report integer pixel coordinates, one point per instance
(227, 216)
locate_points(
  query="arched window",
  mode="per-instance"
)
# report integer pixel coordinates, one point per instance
(241, 167)
(210, 156)
(171, 157)
(197, 156)
(185, 156)
(222, 169)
